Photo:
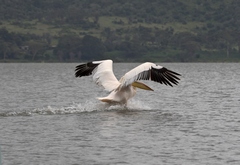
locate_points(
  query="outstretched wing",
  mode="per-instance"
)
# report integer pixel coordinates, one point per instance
(150, 71)
(102, 73)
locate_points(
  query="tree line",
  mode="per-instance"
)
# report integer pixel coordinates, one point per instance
(149, 11)
(219, 34)
(135, 43)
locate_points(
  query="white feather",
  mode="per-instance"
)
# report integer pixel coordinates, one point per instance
(103, 75)
(133, 74)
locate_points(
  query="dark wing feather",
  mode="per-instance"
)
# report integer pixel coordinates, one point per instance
(163, 75)
(150, 71)
(85, 69)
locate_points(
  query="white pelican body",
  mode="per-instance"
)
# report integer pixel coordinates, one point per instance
(120, 96)
(124, 89)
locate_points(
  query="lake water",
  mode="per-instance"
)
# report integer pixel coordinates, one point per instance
(47, 116)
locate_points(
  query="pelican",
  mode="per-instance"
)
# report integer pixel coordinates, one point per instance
(124, 89)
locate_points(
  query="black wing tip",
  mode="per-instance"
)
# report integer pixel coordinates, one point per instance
(85, 69)
(172, 72)
(165, 76)
(167, 70)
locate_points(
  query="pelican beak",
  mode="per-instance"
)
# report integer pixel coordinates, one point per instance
(141, 86)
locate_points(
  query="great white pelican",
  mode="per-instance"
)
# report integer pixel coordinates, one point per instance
(125, 88)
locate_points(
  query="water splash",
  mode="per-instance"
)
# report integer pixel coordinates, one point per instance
(76, 108)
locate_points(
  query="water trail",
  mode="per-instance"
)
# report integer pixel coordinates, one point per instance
(76, 108)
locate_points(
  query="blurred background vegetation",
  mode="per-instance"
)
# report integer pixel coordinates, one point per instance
(123, 30)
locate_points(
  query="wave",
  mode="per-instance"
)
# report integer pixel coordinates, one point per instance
(76, 108)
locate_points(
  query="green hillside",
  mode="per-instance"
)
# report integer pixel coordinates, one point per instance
(123, 30)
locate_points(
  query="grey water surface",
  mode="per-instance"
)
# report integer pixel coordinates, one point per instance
(47, 116)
